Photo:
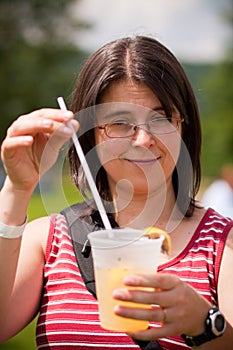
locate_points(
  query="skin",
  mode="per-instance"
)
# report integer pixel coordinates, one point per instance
(138, 159)
(22, 259)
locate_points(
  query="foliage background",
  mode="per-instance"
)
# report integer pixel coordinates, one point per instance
(39, 61)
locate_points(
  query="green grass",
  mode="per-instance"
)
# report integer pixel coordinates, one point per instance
(25, 340)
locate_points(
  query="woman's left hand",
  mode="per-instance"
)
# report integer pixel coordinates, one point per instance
(176, 305)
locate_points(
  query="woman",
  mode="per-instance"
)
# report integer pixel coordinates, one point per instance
(140, 130)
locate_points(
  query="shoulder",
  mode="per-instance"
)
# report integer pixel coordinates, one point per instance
(227, 257)
(37, 231)
(215, 219)
(225, 285)
(229, 241)
(213, 230)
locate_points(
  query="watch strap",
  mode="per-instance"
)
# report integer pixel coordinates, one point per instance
(197, 340)
(210, 332)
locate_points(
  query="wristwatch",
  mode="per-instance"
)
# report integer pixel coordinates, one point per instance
(215, 325)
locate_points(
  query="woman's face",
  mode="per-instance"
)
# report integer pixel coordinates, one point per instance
(143, 162)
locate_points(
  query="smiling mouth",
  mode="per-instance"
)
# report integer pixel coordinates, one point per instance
(144, 162)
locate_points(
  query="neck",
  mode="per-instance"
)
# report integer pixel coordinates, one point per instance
(140, 210)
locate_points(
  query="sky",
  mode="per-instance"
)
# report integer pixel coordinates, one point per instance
(194, 30)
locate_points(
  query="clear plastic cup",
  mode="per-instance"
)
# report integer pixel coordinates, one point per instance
(117, 253)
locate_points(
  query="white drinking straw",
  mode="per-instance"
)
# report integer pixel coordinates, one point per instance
(86, 169)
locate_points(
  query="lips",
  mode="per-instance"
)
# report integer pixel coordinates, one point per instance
(144, 162)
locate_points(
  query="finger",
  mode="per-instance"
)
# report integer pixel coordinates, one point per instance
(30, 126)
(13, 143)
(45, 120)
(156, 280)
(150, 313)
(51, 113)
(152, 296)
(62, 134)
(57, 139)
(153, 333)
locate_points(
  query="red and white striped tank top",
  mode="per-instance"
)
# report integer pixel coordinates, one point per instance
(69, 316)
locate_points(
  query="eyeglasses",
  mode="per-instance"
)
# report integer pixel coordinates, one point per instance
(157, 126)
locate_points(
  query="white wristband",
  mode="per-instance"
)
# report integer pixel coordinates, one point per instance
(11, 231)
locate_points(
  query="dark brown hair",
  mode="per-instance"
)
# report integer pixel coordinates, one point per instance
(141, 59)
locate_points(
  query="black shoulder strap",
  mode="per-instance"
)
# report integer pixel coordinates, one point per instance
(82, 220)
(80, 224)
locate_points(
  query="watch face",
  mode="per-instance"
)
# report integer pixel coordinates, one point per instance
(215, 327)
(219, 323)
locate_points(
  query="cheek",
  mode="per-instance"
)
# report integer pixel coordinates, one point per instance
(110, 149)
(109, 153)
(171, 145)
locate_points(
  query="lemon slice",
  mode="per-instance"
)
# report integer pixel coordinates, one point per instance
(154, 232)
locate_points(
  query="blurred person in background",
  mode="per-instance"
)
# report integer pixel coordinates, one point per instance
(219, 195)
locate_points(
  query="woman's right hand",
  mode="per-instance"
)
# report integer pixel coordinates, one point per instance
(32, 145)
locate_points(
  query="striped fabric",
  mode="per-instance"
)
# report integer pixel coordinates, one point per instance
(68, 316)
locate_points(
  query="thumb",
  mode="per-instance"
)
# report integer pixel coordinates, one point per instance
(55, 142)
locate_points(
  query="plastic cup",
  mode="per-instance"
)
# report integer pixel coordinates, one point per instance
(117, 253)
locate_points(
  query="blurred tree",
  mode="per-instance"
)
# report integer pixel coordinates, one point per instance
(218, 120)
(218, 114)
(38, 62)
(38, 58)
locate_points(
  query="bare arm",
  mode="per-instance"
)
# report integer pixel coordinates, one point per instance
(225, 285)
(22, 259)
(22, 274)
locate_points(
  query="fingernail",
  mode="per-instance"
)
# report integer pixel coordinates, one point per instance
(119, 294)
(130, 280)
(67, 131)
(47, 122)
(68, 115)
(27, 140)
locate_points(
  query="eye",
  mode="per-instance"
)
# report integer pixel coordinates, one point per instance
(120, 122)
(158, 117)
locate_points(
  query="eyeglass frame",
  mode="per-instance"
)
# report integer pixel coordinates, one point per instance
(137, 126)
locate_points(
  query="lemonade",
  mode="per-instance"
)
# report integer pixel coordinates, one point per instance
(113, 279)
(117, 253)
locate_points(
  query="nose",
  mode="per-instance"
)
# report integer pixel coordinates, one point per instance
(143, 138)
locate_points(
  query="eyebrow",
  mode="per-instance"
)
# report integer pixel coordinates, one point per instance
(128, 112)
(159, 108)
